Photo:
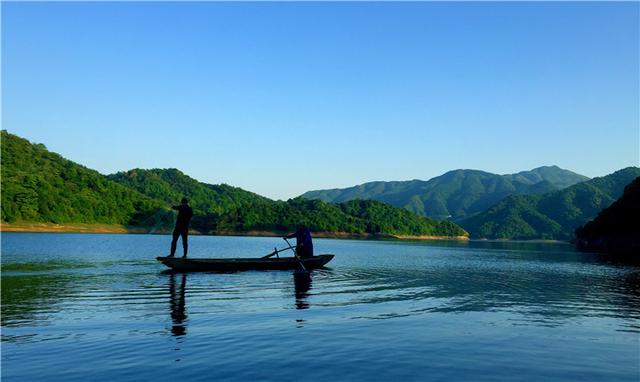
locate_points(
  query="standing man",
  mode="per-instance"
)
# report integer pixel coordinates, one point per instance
(304, 245)
(182, 226)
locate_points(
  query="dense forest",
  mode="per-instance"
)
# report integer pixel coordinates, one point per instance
(456, 194)
(553, 215)
(616, 229)
(220, 208)
(41, 186)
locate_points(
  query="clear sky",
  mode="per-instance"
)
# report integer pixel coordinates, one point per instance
(281, 98)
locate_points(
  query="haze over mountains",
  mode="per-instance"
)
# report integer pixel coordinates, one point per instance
(456, 194)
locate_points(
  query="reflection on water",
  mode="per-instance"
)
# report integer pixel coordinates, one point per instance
(177, 302)
(25, 296)
(177, 285)
(382, 311)
(302, 283)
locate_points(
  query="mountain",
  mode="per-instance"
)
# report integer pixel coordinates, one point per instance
(215, 206)
(170, 185)
(41, 186)
(456, 194)
(553, 215)
(221, 208)
(616, 229)
(558, 177)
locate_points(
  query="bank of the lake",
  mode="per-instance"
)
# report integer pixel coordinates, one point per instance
(36, 227)
(121, 229)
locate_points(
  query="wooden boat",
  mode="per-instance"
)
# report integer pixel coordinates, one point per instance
(242, 264)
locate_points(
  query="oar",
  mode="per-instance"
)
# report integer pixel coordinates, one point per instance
(295, 253)
(276, 251)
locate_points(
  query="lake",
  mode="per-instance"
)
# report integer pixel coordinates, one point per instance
(79, 307)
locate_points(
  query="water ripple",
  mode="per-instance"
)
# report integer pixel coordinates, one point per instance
(416, 310)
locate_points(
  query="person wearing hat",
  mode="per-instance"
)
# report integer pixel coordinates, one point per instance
(304, 245)
(182, 226)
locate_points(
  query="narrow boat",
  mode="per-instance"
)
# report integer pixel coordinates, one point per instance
(242, 264)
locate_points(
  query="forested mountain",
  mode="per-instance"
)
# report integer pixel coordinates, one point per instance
(381, 217)
(456, 194)
(216, 207)
(41, 186)
(170, 185)
(554, 215)
(616, 229)
(220, 208)
(558, 177)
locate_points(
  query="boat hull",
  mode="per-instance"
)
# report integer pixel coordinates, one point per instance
(242, 264)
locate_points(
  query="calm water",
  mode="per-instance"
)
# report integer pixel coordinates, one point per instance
(99, 307)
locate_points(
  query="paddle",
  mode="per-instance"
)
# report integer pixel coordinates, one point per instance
(276, 251)
(295, 253)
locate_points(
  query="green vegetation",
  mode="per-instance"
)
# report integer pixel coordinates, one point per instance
(216, 207)
(222, 208)
(616, 229)
(383, 218)
(40, 186)
(554, 215)
(558, 177)
(456, 194)
(23, 296)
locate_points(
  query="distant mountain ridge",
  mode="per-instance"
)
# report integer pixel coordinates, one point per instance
(42, 187)
(223, 208)
(558, 177)
(39, 186)
(456, 194)
(554, 215)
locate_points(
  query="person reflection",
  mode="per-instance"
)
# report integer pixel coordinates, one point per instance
(302, 283)
(177, 302)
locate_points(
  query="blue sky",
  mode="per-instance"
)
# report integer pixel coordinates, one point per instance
(281, 98)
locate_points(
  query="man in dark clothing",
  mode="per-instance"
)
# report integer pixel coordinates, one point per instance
(182, 226)
(304, 245)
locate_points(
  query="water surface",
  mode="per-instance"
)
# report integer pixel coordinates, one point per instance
(99, 307)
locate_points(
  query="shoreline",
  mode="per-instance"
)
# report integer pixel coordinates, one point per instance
(121, 229)
(63, 228)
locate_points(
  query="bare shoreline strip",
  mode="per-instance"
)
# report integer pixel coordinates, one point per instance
(67, 228)
(121, 229)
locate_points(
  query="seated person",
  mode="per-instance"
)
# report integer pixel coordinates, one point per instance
(304, 245)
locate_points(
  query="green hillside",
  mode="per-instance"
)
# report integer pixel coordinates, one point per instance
(554, 215)
(170, 185)
(456, 194)
(558, 177)
(381, 217)
(616, 229)
(216, 207)
(41, 186)
(220, 208)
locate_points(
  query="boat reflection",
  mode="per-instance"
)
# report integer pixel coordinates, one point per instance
(177, 304)
(302, 284)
